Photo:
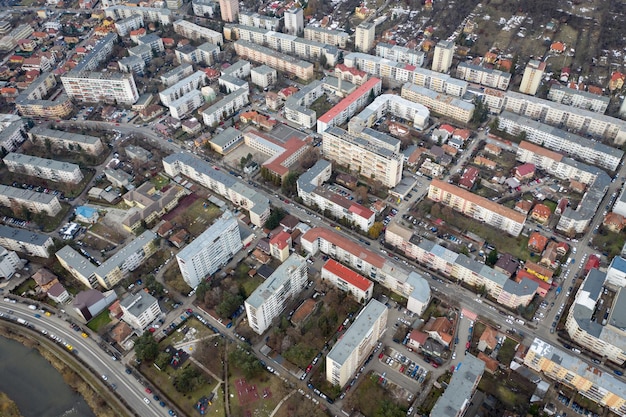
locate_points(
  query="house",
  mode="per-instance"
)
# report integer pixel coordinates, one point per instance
(614, 222)
(491, 364)
(165, 229)
(440, 329)
(493, 149)
(557, 47)
(58, 293)
(303, 312)
(537, 242)
(261, 257)
(140, 310)
(289, 222)
(539, 271)
(507, 264)
(562, 248)
(469, 177)
(617, 81)
(525, 171)
(45, 279)
(490, 58)
(121, 332)
(561, 205)
(179, 238)
(280, 246)
(577, 186)
(449, 150)
(488, 339)
(86, 214)
(90, 303)
(416, 339)
(540, 213)
(485, 162)
(461, 134)
(550, 256)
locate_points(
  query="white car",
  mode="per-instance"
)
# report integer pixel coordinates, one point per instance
(453, 355)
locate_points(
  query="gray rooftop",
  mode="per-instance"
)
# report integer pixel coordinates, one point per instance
(370, 145)
(460, 390)
(264, 70)
(359, 330)
(236, 66)
(272, 52)
(275, 281)
(64, 136)
(40, 162)
(586, 94)
(226, 136)
(433, 95)
(227, 99)
(305, 181)
(137, 304)
(480, 68)
(421, 289)
(238, 82)
(523, 288)
(25, 236)
(86, 62)
(28, 195)
(176, 71)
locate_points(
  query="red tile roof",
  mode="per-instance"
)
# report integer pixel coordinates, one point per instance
(348, 275)
(281, 240)
(352, 70)
(525, 169)
(346, 102)
(344, 243)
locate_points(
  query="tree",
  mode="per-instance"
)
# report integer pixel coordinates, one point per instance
(375, 230)
(492, 258)
(153, 285)
(187, 379)
(323, 61)
(162, 360)
(273, 221)
(289, 185)
(481, 111)
(202, 289)
(229, 305)
(146, 348)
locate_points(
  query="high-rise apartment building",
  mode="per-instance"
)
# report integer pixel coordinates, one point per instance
(96, 87)
(294, 21)
(442, 60)
(229, 10)
(210, 251)
(365, 35)
(532, 77)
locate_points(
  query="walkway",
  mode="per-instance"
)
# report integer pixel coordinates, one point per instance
(281, 402)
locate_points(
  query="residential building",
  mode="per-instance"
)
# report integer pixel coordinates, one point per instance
(356, 285)
(88, 304)
(98, 54)
(26, 242)
(17, 199)
(564, 142)
(259, 21)
(196, 32)
(442, 60)
(132, 64)
(400, 54)
(66, 140)
(149, 14)
(226, 141)
(12, 133)
(47, 169)
(226, 107)
(174, 4)
(210, 251)
(350, 74)
(140, 310)
(96, 87)
(533, 74)
(337, 38)
(114, 269)
(125, 26)
(58, 293)
(204, 8)
(185, 105)
(600, 387)
(32, 103)
(154, 41)
(147, 204)
(220, 183)
(365, 36)
(294, 21)
(176, 74)
(577, 221)
(393, 105)
(381, 67)
(458, 395)
(296, 107)
(282, 154)
(484, 76)
(442, 104)
(274, 59)
(229, 10)
(365, 154)
(188, 84)
(264, 76)
(230, 83)
(578, 98)
(270, 298)
(9, 263)
(240, 69)
(351, 351)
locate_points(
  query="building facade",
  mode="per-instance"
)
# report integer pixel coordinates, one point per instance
(38, 203)
(140, 310)
(345, 279)
(47, 169)
(533, 74)
(26, 242)
(96, 87)
(365, 36)
(444, 52)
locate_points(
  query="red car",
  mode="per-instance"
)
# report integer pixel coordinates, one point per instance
(381, 355)
(435, 364)
(308, 368)
(148, 391)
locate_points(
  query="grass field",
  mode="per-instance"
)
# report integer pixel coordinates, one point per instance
(99, 321)
(174, 279)
(159, 181)
(261, 406)
(197, 218)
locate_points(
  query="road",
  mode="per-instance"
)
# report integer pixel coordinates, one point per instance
(128, 387)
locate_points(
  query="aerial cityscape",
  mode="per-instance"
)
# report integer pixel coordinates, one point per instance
(353, 208)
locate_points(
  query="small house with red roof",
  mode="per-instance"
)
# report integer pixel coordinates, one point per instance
(562, 248)
(461, 134)
(614, 222)
(524, 171)
(440, 329)
(490, 58)
(540, 213)
(537, 242)
(347, 280)
(280, 245)
(469, 177)
(557, 47)
(416, 339)
(592, 262)
(487, 340)
(550, 256)
(617, 81)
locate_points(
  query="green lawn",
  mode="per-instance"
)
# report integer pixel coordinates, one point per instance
(174, 279)
(250, 284)
(507, 351)
(261, 406)
(25, 286)
(99, 321)
(159, 181)
(198, 218)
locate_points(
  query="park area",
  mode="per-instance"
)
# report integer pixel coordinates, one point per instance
(194, 213)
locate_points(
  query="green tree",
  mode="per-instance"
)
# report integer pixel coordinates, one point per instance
(289, 185)
(146, 348)
(243, 359)
(153, 285)
(492, 258)
(162, 360)
(230, 303)
(202, 289)
(187, 379)
(375, 230)
(273, 221)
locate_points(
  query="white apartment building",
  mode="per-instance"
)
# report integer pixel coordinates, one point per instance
(47, 169)
(488, 77)
(363, 154)
(397, 106)
(96, 87)
(274, 59)
(24, 241)
(188, 84)
(356, 285)
(365, 36)
(337, 38)
(442, 60)
(294, 21)
(210, 251)
(9, 263)
(296, 107)
(400, 54)
(230, 83)
(351, 351)
(533, 74)
(12, 134)
(260, 21)
(220, 183)
(477, 207)
(154, 41)
(141, 51)
(577, 221)
(186, 104)
(577, 147)
(264, 76)
(578, 98)
(269, 299)
(239, 69)
(457, 398)
(100, 51)
(196, 32)
(16, 198)
(580, 121)
(133, 64)
(176, 74)
(204, 8)
(149, 14)
(439, 103)
(125, 26)
(140, 310)
(226, 107)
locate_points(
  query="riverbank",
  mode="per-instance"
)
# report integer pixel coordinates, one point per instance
(69, 370)
(7, 407)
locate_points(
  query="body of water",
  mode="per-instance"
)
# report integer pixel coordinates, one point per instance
(36, 386)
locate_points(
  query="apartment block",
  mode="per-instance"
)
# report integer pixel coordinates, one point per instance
(133, 64)
(125, 26)
(220, 183)
(439, 103)
(12, 133)
(204, 8)
(488, 77)
(26, 242)
(533, 74)
(348, 107)
(210, 251)
(176, 74)
(393, 105)
(197, 32)
(400, 54)
(260, 21)
(96, 87)
(10, 263)
(345, 279)
(296, 107)
(575, 373)
(226, 107)
(140, 310)
(380, 67)
(239, 69)
(363, 154)
(149, 14)
(114, 269)
(100, 52)
(32, 101)
(188, 84)
(282, 155)
(579, 121)
(229, 10)
(264, 76)
(457, 397)
(148, 204)
(576, 221)
(351, 351)
(477, 207)
(185, 105)
(38, 203)
(444, 52)
(365, 36)
(274, 59)
(337, 38)
(47, 169)
(270, 298)
(141, 51)
(578, 98)
(154, 41)
(294, 21)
